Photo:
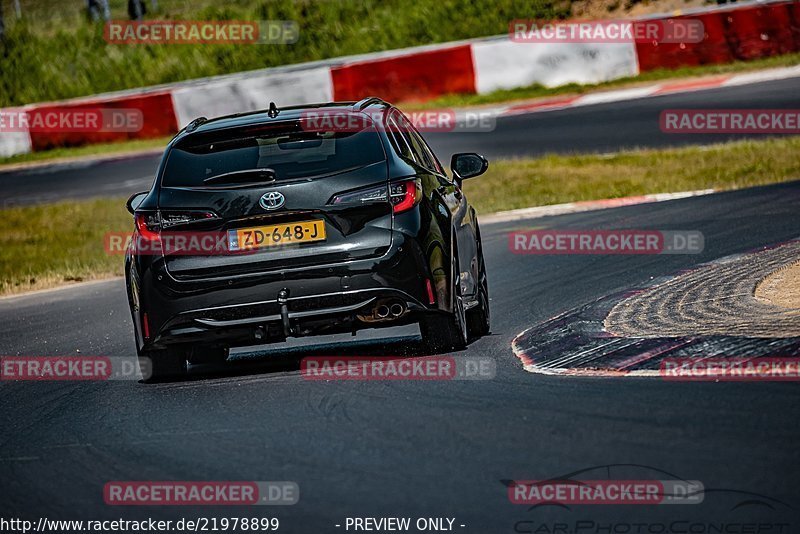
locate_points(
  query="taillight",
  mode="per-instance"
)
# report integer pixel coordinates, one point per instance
(361, 196)
(148, 224)
(405, 195)
(170, 219)
(402, 195)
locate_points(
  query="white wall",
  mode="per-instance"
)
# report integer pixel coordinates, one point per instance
(236, 95)
(12, 143)
(504, 64)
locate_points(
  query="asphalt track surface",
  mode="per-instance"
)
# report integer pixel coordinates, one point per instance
(419, 448)
(597, 128)
(416, 448)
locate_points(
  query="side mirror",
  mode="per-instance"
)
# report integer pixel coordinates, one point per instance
(468, 165)
(134, 201)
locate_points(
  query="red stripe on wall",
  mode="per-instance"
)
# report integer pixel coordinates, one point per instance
(733, 34)
(158, 120)
(760, 31)
(712, 49)
(413, 77)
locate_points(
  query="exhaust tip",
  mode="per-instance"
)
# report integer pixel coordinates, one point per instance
(382, 311)
(397, 309)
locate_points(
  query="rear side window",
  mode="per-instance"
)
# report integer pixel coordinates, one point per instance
(287, 150)
(400, 138)
(428, 159)
(410, 143)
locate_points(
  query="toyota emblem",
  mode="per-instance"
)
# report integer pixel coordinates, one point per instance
(272, 200)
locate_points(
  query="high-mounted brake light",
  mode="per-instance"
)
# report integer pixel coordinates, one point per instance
(405, 195)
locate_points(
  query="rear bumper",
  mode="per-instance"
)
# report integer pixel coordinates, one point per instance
(266, 322)
(325, 299)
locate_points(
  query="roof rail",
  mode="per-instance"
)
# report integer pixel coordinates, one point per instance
(192, 126)
(364, 102)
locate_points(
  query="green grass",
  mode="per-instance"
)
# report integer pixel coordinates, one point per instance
(520, 183)
(55, 52)
(48, 245)
(536, 91)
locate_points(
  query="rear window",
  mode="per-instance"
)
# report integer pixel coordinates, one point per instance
(289, 150)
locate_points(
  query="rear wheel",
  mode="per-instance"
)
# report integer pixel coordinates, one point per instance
(447, 331)
(478, 318)
(157, 365)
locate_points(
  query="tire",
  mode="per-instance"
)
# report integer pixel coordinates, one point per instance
(479, 318)
(162, 364)
(447, 331)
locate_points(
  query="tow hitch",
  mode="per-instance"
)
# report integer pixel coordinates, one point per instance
(283, 302)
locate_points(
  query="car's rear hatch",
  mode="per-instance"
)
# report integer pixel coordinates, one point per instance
(282, 195)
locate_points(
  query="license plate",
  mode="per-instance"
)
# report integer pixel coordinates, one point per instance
(276, 235)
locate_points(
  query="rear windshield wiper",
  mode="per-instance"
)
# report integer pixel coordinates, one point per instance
(246, 176)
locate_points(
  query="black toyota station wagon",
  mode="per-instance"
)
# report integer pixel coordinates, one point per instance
(325, 230)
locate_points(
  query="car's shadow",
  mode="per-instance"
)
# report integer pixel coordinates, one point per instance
(267, 360)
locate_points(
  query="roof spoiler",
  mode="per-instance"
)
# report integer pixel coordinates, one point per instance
(364, 102)
(192, 126)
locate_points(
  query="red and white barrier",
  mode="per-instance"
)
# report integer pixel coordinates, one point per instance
(739, 32)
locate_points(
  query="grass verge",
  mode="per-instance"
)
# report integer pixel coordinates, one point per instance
(49, 245)
(52, 244)
(520, 183)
